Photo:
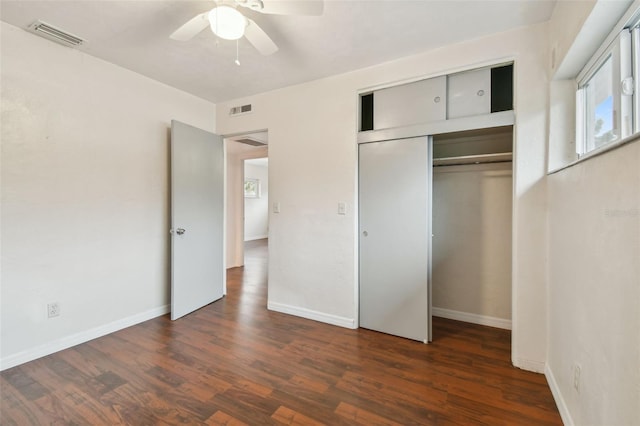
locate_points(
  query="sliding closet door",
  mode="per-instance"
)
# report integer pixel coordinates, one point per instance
(395, 237)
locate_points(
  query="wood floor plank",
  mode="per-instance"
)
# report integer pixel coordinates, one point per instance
(290, 417)
(236, 363)
(223, 419)
(362, 417)
(245, 406)
(24, 383)
(16, 409)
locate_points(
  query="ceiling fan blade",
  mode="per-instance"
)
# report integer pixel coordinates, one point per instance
(260, 40)
(285, 7)
(191, 28)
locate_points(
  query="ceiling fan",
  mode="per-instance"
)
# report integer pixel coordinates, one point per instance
(227, 22)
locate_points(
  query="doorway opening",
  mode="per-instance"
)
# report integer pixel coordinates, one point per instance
(247, 191)
(256, 203)
(472, 226)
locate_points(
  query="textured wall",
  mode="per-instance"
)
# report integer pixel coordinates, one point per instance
(85, 202)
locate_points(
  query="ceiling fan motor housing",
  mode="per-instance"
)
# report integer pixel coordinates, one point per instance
(226, 22)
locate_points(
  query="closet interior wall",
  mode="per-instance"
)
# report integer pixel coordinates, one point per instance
(472, 208)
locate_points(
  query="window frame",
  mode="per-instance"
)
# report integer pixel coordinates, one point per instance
(623, 46)
(619, 50)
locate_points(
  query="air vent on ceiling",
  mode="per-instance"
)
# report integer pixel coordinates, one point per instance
(250, 141)
(244, 109)
(55, 34)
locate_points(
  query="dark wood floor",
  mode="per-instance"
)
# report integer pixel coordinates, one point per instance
(233, 363)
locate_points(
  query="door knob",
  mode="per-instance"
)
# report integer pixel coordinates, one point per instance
(178, 231)
(365, 233)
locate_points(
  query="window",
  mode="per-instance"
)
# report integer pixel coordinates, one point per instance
(607, 100)
(251, 188)
(599, 112)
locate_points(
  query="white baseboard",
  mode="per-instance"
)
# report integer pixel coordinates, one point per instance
(567, 420)
(82, 337)
(312, 315)
(472, 318)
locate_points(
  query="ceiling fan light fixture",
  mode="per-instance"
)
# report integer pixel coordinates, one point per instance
(227, 23)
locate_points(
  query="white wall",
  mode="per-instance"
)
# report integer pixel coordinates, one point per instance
(567, 21)
(85, 204)
(472, 243)
(594, 267)
(256, 210)
(594, 285)
(312, 161)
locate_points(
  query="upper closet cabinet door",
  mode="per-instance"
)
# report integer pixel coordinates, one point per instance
(421, 102)
(469, 93)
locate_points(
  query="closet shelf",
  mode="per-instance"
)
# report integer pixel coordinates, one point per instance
(500, 157)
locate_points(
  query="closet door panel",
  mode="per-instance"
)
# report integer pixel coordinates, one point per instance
(469, 93)
(394, 194)
(420, 102)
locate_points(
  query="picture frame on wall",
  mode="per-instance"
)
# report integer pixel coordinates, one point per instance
(251, 188)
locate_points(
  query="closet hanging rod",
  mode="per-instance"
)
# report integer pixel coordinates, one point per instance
(501, 157)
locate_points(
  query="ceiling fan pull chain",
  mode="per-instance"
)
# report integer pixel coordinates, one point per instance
(238, 52)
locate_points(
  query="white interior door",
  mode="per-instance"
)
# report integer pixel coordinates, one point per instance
(395, 237)
(197, 218)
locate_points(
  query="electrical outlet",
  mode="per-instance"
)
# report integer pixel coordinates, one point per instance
(53, 309)
(577, 370)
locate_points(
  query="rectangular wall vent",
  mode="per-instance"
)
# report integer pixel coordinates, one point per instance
(55, 34)
(252, 142)
(244, 109)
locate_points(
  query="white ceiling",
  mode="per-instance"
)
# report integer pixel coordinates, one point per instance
(351, 34)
